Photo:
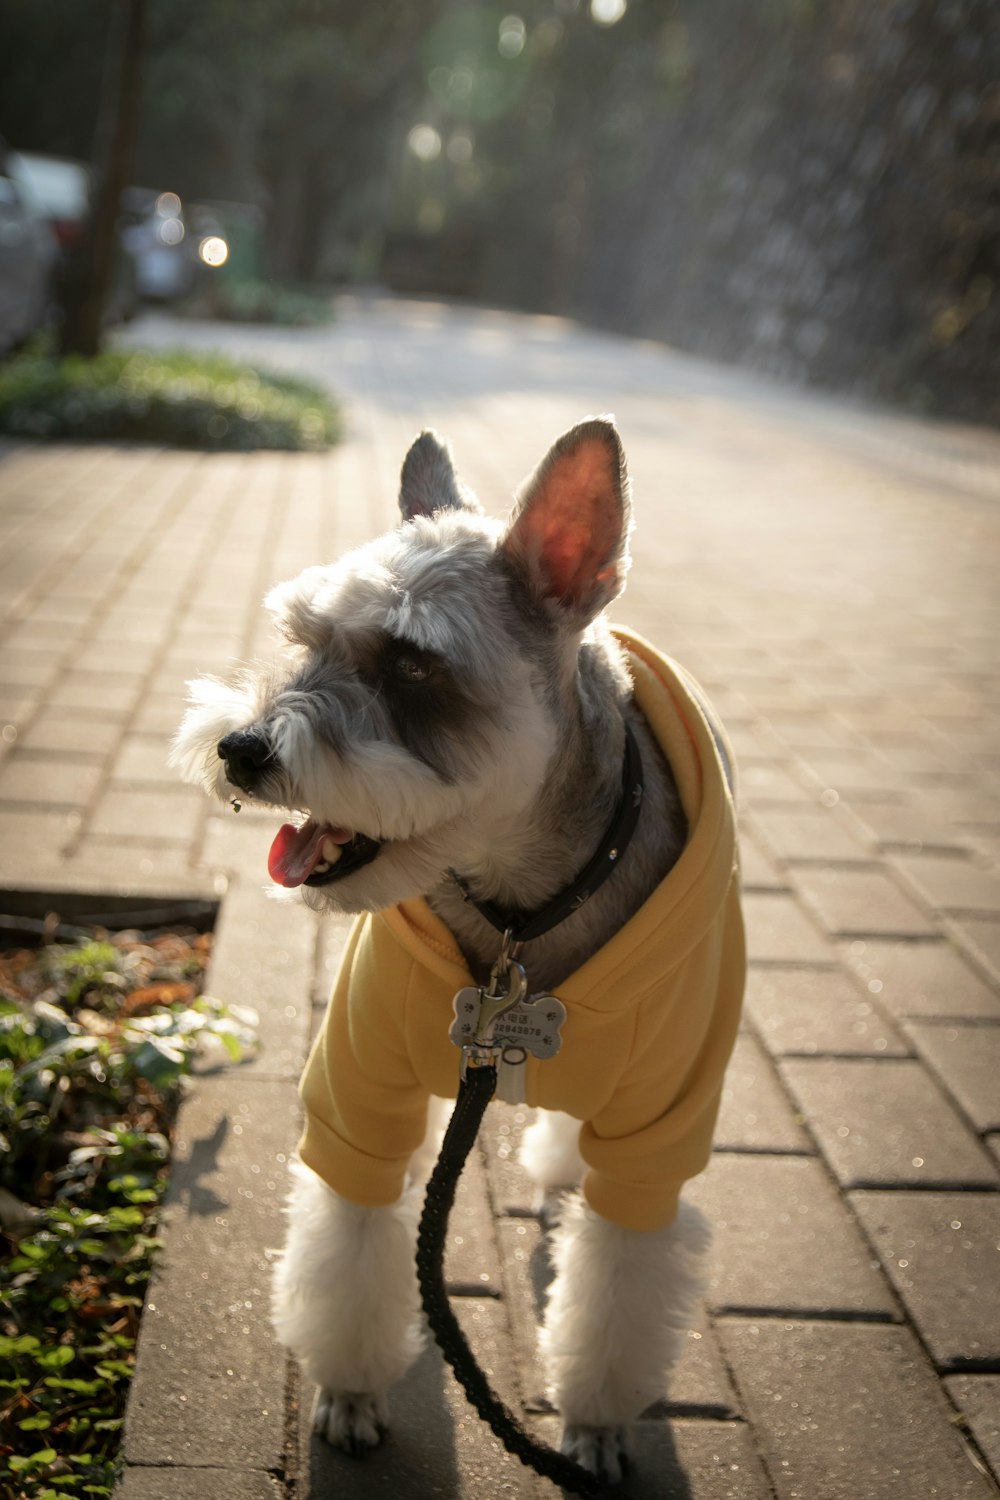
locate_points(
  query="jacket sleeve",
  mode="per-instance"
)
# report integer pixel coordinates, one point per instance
(366, 1112)
(656, 1132)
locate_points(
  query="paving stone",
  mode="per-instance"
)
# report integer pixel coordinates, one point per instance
(32, 843)
(951, 884)
(238, 843)
(332, 934)
(209, 1387)
(118, 864)
(121, 811)
(26, 668)
(850, 900)
(142, 758)
(61, 729)
(977, 1397)
(922, 979)
(853, 773)
(843, 1411)
(940, 1251)
(980, 937)
(53, 780)
(696, 1461)
(886, 1122)
(914, 824)
(525, 1274)
(811, 832)
(755, 1114)
(174, 1483)
(967, 1060)
(815, 1011)
(767, 781)
(263, 956)
(159, 714)
(512, 1190)
(759, 872)
(472, 1261)
(97, 693)
(779, 931)
(700, 1383)
(783, 1241)
(17, 707)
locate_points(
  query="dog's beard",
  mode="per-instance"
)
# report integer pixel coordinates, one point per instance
(371, 828)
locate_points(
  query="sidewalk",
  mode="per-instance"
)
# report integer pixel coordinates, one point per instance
(830, 575)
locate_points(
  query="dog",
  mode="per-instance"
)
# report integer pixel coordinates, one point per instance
(448, 724)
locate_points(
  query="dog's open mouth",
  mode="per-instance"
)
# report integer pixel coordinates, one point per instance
(317, 853)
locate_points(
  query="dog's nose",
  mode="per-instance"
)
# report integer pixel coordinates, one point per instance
(247, 755)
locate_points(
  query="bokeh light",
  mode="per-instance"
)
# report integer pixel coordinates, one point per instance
(607, 12)
(425, 142)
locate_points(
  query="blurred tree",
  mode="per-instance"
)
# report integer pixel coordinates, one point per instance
(812, 188)
(291, 104)
(90, 272)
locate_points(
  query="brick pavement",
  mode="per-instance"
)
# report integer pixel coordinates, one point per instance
(830, 574)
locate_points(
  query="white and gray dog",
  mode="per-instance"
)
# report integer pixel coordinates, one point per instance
(447, 726)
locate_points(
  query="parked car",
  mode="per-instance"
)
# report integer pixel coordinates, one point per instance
(60, 191)
(156, 236)
(28, 252)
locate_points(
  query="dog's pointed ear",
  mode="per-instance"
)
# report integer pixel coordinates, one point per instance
(568, 535)
(428, 481)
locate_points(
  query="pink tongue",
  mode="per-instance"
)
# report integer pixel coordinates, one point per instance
(296, 852)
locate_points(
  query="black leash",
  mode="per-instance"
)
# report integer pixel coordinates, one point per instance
(474, 1094)
(480, 1052)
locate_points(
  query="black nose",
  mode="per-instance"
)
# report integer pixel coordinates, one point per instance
(247, 757)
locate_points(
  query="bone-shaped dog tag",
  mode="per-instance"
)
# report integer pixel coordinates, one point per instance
(534, 1024)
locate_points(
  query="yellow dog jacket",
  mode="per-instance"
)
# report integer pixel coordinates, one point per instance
(650, 1024)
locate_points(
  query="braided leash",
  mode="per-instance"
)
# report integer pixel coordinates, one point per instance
(475, 1092)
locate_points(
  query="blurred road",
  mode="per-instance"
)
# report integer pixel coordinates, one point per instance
(830, 574)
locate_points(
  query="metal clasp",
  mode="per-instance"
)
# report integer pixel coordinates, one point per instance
(507, 987)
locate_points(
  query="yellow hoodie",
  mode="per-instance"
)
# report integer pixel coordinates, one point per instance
(650, 1024)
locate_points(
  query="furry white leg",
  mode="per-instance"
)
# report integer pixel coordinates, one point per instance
(619, 1307)
(550, 1151)
(345, 1302)
(550, 1154)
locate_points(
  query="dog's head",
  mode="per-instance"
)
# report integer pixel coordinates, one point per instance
(426, 677)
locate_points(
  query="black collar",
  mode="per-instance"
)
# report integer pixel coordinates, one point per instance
(522, 925)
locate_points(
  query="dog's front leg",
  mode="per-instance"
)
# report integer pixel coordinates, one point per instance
(345, 1302)
(617, 1314)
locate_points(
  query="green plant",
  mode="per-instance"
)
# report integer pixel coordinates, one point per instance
(96, 1041)
(242, 300)
(175, 397)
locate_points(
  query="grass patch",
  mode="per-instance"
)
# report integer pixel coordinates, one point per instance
(97, 1038)
(249, 301)
(176, 398)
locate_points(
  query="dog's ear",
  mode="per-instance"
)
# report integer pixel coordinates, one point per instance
(428, 481)
(569, 530)
(293, 606)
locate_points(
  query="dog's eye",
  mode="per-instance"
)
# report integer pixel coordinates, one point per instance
(410, 667)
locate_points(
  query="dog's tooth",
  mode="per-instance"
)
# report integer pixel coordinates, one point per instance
(331, 852)
(321, 868)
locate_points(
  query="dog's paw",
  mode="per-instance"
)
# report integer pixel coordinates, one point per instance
(602, 1450)
(352, 1420)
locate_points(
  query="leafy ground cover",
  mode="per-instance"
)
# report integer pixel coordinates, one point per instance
(250, 301)
(97, 1039)
(175, 397)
